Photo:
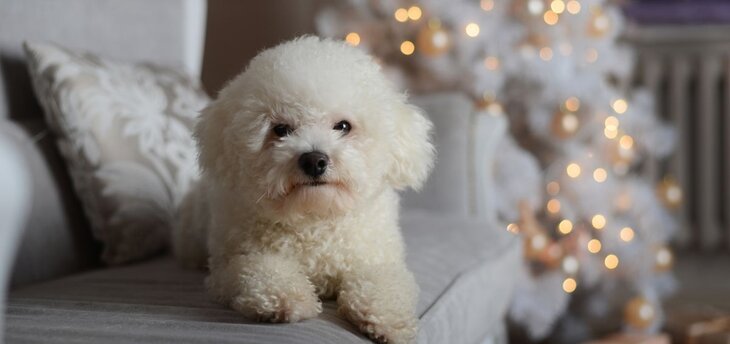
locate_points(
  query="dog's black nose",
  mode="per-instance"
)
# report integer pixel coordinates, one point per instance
(314, 163)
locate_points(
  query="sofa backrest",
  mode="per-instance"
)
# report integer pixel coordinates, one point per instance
(466, 139)
(170, 32)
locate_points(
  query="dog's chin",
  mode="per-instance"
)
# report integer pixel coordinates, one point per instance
(317, 198)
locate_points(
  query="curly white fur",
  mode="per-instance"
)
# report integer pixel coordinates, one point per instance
(275, 245)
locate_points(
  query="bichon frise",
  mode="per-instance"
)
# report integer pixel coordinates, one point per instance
(302, 155)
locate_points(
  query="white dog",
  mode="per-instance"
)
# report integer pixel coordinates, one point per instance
(302, 155)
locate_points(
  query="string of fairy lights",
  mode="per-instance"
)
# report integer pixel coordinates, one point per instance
(557, 249)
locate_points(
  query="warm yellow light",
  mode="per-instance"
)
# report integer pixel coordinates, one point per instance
(352, 39)
(401, 15)
(407, 47)
(611, 261)
(472, 30)
(568, 123)
(573, 6)
(553, 206)
(513, 228)
(495, 109)
(626, 142)
(592, 55)
(550, 17)
(553, 188)
(626, 234)
(546, 53)
(611, 122)
(594, 246)
(598, 221)
(600, 175)
(565, 226)
(414, 13)
(620, 106)
(624, 154)
(558, 6)
(610, 132)
(491, 62)
(487, 5)
(569, 285)
(572, 104)
(573, 170)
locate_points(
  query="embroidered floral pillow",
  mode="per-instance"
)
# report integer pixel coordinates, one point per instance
(125, 133)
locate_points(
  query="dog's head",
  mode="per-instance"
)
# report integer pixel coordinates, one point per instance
(313, 127)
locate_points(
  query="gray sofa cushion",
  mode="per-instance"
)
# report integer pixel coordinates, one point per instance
(463, 269)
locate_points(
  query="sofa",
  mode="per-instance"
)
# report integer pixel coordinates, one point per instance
(54, 288)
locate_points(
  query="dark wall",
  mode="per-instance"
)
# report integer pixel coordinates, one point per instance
(238, 29)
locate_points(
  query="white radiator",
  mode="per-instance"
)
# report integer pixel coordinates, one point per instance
(688, 69)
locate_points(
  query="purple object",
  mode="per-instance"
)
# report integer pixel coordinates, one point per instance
(678, 12)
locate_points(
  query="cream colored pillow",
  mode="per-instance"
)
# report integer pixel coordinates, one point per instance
(124, 131)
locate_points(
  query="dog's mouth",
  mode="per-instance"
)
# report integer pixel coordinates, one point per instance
(314, 183)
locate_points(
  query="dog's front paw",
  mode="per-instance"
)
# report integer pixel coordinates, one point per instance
(384, 330)
(381, 301)
(278, 308)
(264, 287)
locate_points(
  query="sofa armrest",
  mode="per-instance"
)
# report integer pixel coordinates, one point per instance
(462, 182)
(14, 209)
(489, 130)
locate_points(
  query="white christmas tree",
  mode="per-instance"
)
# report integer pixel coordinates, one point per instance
(570, 182)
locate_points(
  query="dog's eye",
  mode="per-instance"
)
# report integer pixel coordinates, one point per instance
(343, 126)
(282, 130)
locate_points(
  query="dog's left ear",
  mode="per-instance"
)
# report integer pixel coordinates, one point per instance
(412, 151)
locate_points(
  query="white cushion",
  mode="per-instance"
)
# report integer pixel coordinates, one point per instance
(125, 133)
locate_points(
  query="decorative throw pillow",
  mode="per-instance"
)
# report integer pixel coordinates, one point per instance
(125, 131)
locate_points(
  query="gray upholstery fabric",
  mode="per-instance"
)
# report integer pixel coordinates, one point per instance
(56, 240)
(461, 267)
(466, 140)
(448, 185)
(14, 208)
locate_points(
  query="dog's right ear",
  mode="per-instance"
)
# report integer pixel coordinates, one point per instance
(411, 149)
(210, 133)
